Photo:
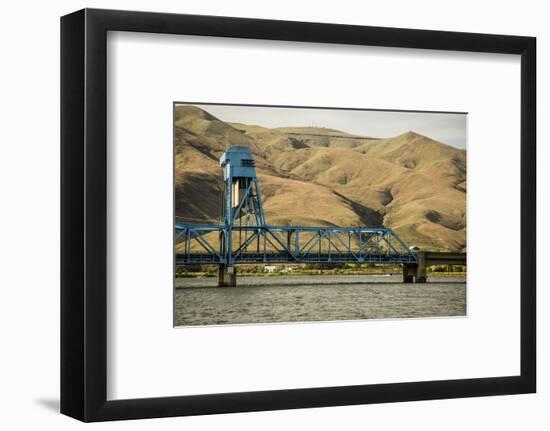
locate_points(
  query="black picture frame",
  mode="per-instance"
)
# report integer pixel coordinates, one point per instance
(84, 214)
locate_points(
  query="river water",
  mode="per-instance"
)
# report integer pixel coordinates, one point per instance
(268, 299)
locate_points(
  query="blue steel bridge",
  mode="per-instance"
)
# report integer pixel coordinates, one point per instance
(279, 244)
(244, 236)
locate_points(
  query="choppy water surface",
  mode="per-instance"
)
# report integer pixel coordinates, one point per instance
(265, 299)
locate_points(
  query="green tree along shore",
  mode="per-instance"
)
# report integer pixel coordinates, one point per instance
(313, 269)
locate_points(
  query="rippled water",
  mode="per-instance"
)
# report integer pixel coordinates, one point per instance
(265, 299)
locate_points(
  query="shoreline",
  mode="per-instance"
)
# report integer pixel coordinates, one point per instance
(264, 281)
(314, 274)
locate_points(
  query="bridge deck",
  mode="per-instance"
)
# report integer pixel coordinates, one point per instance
(251, 258)
(444, 258)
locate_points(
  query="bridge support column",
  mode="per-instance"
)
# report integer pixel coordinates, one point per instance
(227, 276)
(409, 272)
(421, 274)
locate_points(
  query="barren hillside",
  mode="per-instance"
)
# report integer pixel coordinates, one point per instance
(319, 176)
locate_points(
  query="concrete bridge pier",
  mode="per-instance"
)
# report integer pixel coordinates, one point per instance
(416, 272)
(421, 274)
(409, 272)
(227, 276)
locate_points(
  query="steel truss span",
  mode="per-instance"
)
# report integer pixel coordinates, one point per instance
(202, 244)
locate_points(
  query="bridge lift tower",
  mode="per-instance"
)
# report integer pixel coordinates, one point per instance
(242, 203)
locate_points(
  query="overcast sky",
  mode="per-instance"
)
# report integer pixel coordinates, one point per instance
(447, 128)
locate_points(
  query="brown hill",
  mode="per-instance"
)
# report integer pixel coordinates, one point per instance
(318, 176)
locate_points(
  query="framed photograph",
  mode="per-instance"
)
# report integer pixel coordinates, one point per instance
(305, 209)
(262, 215)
